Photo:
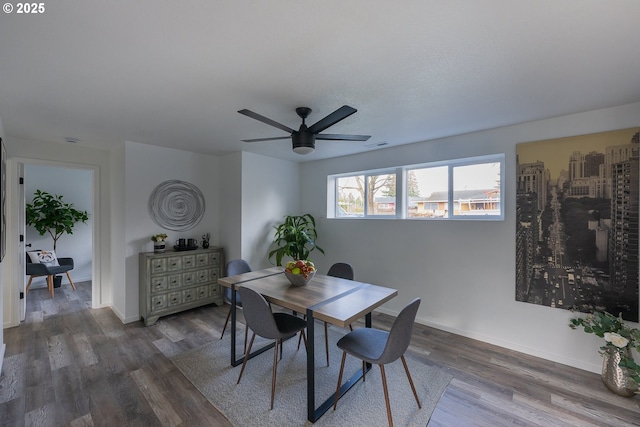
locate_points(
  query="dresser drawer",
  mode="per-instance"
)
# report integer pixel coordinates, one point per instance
(174, 298)
(158, 265)
(188, 261)
(189, 295)
(158, 302)
(175, 281)
(174, 263)
(189, 278)
(202, 292)
(202, 260)
(215, 291)
(159, 284)
(214, 258)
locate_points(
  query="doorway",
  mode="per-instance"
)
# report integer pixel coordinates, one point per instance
(14, 303)
(75, 185)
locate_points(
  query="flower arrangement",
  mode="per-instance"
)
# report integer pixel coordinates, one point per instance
(159, 237)
(618, 336)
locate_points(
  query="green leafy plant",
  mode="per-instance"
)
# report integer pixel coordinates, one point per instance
(159, 237)
(50, 214)
(618, 336)
(295, 237)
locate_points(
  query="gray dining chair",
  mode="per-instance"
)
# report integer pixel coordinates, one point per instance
(343, 271)
(275, 326)
(234, 267)
(380, 347)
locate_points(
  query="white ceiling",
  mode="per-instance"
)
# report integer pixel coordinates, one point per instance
(174, 73)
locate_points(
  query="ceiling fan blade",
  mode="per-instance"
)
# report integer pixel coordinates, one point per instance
(333, 118)
(343, 137)
(267, 139)
(266, 120)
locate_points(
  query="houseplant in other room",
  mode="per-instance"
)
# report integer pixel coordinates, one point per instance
(620, 372)
(48, 213)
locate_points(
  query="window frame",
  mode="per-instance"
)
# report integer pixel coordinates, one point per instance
(402, 197)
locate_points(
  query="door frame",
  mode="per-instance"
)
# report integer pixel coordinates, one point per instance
(14, 259)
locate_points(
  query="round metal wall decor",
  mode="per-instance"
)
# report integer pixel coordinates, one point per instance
(176, 205)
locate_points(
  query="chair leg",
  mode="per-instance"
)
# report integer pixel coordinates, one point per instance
(326, 341)
(246, 357)
(246, 335)
(226, 322)
(50, 285)
(246, 329)
(71, 281)
(28, 285)
(335, 400)
(275, 368)
(386, 395)
(406, 369)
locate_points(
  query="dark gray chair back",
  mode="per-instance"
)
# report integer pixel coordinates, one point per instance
(258, 314)
(342, 270)
(400, 333)
(234, 267)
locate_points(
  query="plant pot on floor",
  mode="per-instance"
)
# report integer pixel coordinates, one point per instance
(57, 281)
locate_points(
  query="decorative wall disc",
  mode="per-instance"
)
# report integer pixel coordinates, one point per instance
(176, 205)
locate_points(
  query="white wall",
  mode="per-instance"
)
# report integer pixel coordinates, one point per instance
(3, 346)
(464, 271)
(231, 206)
(76, 187)
(270, 190)
(146, 167)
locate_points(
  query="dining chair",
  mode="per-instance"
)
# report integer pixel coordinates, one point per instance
(380, 347)
(234, 267)
(269, 325)
(344, 271)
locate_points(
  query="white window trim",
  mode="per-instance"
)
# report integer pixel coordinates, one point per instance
(401, 183)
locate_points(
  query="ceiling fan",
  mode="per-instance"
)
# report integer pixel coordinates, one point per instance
(304, 139)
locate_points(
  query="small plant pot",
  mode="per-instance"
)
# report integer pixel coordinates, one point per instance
(158, 247)
(57, 281)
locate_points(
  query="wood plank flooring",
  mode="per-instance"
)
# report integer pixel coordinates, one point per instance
(69, 365)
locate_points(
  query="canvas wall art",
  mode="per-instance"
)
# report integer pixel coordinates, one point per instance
(577, 222)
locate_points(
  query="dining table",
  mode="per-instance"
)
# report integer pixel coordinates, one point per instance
(327, 298)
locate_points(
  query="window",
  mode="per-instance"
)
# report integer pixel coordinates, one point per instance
(455, 189)
(377, 198)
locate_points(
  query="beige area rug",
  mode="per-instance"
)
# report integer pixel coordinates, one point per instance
(247, 404)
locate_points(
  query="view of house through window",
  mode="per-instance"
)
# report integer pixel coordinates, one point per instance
(464, 188)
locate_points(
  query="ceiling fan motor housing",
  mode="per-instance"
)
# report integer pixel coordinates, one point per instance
(303, 142)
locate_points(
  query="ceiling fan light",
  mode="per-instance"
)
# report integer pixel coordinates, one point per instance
(303, 150)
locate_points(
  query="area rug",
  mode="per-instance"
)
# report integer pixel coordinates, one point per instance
(247, 404)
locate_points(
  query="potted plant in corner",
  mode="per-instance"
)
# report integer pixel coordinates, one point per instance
(48, 213)
(296, 238)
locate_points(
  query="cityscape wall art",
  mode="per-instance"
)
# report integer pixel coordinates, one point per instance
(577, 222)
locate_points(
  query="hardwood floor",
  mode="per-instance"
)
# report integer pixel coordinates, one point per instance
(69, 365)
